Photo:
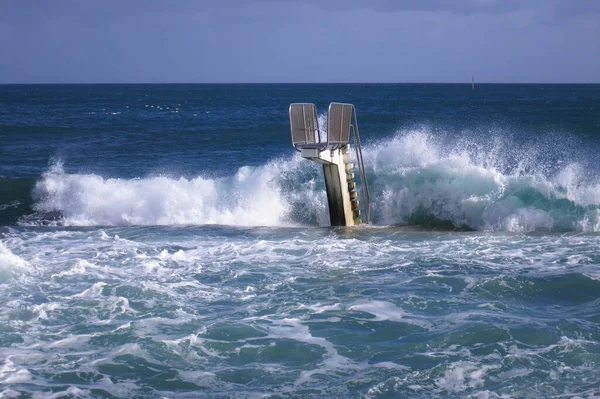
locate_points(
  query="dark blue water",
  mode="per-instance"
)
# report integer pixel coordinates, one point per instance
(167, 241)
(128, 131)
(132, 130)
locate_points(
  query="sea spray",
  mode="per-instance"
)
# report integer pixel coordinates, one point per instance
(247, 198)
(416, 179)
(421, 180)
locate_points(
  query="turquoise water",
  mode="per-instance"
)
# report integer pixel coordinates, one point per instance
(166, 241)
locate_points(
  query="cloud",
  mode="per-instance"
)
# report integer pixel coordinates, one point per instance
(107, 9)
(450, 6)
(298, 40)
(558, 8)
(571, 8)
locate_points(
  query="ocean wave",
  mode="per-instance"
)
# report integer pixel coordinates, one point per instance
(253, 196)
(417, 178)
(420, 180)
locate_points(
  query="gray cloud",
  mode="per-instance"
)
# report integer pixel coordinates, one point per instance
(298, 40)
(107, 9)
(569, 8)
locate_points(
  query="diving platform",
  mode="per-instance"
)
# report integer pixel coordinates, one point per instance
(348, 202)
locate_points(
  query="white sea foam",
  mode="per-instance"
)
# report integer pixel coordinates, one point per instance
(10, 263)
(9, 393)
(290, 328)
(414, 179)
(463, 375)
(10, 260)
(298, 279)
(382, 310)
(415, 174)
(10, 373)
(322, 120)
(251, 197)
(95, 291)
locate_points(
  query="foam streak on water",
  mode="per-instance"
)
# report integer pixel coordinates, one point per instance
(225, 311)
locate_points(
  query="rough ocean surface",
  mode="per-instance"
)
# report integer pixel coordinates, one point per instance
(166, 241)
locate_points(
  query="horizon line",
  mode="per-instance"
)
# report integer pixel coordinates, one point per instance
(289, 83)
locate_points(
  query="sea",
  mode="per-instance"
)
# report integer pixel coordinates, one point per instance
(167, 241)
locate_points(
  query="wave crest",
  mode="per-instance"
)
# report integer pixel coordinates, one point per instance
(251, 197)
(420, 180)
(416, 178)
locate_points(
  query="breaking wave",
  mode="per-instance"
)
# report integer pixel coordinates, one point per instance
(420, 179)
(254, 196)
(416, 178)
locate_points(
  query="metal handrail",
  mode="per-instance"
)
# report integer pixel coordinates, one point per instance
(316, 132)
(364, 186)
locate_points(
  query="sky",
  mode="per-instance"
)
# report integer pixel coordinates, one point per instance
(255, 41)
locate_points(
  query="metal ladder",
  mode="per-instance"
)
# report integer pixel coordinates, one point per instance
(341, 125)
(342, 130)
(364, 186)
